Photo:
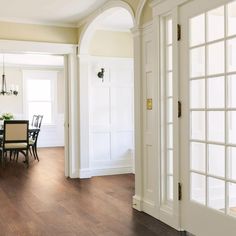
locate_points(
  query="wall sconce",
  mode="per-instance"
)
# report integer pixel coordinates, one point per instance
(100, 74)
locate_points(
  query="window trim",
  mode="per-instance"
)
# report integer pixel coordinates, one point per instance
(42, 74)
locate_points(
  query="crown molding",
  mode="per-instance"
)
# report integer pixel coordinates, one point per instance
(41, 23)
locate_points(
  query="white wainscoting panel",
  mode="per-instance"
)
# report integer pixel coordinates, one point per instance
(52, 135)
(111, 129)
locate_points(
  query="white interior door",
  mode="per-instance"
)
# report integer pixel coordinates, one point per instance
(208, 124)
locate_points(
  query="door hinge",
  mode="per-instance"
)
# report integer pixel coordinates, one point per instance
(178, 32)
(179, 109)
(179, 191)
(77, 50)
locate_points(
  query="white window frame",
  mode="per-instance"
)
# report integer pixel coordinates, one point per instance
(45, 74)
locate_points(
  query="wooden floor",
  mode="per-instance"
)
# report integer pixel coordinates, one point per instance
(41, 201)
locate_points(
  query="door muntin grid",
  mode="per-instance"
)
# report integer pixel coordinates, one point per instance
(167, 148)
(212, 79)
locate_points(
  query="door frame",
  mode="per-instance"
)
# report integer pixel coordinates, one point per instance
(161, 9)
(71, 91)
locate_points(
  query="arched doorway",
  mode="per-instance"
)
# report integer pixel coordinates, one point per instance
(107, 103)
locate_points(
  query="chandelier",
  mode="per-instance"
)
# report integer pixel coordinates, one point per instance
(13, 89)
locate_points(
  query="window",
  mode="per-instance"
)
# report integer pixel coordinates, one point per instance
(40, 97)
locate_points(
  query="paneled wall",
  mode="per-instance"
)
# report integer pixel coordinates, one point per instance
(111, 121)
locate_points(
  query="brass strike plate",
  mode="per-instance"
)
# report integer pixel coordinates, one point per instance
(149, 104)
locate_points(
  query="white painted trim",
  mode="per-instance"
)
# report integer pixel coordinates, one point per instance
(36, 22)
(84, 114)
(149, 208)
(15, 46)
(137, 203)
(148, 29)
(72, 122)
(161, 7)
(147, 25)
(33, 67)
(111, 171)
(66, 117)
(89, 172)
(138, 124)
(84, 173)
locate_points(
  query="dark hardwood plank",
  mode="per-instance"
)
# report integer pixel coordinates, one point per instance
(41, 201)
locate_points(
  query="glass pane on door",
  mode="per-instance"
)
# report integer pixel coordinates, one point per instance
(212, 113)
(167, 118)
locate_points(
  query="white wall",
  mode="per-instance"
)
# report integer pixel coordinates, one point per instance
(52, 135)
(111, 121)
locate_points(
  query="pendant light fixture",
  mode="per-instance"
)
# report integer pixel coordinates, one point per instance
(13, 89)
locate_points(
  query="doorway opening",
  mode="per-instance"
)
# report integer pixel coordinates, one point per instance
(40, 82)
(107, 95)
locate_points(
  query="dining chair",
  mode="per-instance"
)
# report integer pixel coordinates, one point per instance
(39, 121)
(15, 139)
(34, 138)
(34, 120)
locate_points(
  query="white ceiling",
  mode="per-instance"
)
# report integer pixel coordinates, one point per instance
(54, 12)
(117, 19)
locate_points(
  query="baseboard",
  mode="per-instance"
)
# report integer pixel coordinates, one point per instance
(88, 173)
(74, 174)
(84, 173)
(111, 171)
(51, 145)
(149, 208)
(137, 203)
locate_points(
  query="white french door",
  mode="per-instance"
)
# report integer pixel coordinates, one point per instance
(208, 123)
(169, 205)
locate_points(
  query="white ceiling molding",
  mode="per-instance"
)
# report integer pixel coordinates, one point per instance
(32, 22)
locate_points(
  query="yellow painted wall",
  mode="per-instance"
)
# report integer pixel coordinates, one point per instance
(111, 44)
(133, 3)
(146, 14)
(38, 33)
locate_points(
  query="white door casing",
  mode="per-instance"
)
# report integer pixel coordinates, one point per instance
(149, 164)
(207, 72)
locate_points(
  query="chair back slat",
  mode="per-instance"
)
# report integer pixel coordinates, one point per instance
(40, 119)
(34, 120)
